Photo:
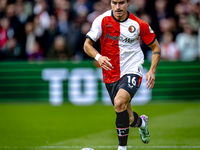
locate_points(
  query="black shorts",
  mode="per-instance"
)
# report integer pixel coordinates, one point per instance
(129, 82)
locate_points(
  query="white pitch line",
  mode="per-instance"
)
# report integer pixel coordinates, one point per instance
(71, 147)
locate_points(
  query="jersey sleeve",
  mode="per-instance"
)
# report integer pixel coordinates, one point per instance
(96, 30)
(146, 33)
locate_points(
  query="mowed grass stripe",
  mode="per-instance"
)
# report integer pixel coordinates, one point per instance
(23, 125)
(180, 135)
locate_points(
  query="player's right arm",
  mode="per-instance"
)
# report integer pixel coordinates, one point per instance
(92, 52)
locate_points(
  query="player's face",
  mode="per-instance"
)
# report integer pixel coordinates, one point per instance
(119, 8)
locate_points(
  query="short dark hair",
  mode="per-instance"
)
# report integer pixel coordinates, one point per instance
(128, 0)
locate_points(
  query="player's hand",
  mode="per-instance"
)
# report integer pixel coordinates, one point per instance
(150, 77)
(104, 62)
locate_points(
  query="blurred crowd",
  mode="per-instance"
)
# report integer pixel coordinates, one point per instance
(37, 30)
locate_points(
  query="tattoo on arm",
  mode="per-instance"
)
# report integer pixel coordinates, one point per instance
(156, 53)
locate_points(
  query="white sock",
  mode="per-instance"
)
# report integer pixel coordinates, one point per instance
(143, 124)
(122, 148)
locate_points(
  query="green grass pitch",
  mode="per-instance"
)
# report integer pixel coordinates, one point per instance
(35, 126)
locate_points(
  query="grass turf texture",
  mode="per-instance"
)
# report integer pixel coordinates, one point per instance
(41, 126)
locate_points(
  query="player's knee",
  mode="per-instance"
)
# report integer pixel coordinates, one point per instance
(119, 105)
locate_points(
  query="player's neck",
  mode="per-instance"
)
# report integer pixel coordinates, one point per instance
(122, 18)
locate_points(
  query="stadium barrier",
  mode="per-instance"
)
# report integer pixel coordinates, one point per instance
(81, 82)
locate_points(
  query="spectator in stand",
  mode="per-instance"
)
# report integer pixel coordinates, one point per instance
(30, 39)
(79, 53)
(166, 25)
(4, 27)
(59, 50)
(182, 20)
(40, 11)
(12, 50)
(80, 9)
(50, 33)
(184, 7)
(39, 33)
(187, 42)
(6, 33)
(69, 29)
(161, 9)
(61, 5)
(37, 52)
(2, 7)
(137, 7)
(22, 17)
(63, 21)
(28, 6)
(20, 13)
(158, 11)
(170, 49)
(199, 36)
(14, 22)
(193, 16)
(75, 30)
(81, 12)
(82, 6)
(106, 5)
(98, 7)
(33, 49)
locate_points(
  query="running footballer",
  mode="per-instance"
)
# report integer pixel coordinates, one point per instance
(121, 60)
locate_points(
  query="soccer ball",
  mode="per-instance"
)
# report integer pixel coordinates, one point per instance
(87, 149)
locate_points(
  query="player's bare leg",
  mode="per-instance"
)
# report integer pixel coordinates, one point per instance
(121, 100)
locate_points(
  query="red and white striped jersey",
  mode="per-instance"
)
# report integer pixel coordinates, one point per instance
(120, 41)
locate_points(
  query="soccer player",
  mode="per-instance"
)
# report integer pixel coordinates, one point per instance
(121, 60)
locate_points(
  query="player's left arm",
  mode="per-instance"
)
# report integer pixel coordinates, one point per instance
(156, 52)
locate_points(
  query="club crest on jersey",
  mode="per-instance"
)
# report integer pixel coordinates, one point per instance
(131, 29)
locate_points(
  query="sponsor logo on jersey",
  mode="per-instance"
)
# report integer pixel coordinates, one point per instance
(122, 39)
(131, 29)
